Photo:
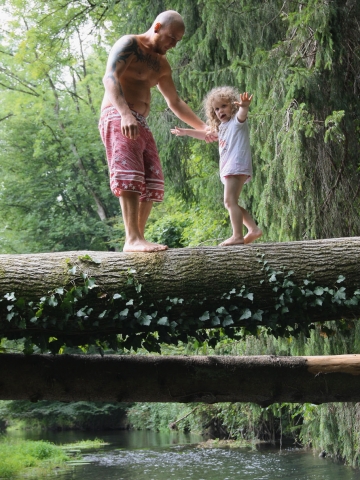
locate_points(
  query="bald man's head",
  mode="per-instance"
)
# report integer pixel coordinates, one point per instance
(169, 17)
(166, 31)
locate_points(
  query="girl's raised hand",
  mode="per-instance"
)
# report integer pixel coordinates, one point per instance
(245, 100)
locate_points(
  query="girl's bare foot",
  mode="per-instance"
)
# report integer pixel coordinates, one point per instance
(143, 246)
(252, 236)
(232, 241)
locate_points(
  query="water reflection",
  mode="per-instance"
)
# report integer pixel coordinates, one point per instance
(117, 439)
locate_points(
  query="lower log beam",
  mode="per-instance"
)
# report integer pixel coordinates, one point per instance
(209, 379)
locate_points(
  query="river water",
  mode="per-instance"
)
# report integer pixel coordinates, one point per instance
(144, 455)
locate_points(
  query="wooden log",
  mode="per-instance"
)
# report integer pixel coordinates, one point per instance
(209, 379)
(199, 276)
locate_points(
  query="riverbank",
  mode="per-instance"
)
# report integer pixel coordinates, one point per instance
(39, 458)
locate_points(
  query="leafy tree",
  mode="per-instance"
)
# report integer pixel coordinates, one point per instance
(296, 59)
(54, 192)
(60, 416)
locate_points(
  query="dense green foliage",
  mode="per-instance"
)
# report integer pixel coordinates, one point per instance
(60, 416)
(299, 60)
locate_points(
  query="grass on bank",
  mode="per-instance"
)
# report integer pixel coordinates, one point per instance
(36, 458)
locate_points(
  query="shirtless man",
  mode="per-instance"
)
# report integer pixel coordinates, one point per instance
(136, 63)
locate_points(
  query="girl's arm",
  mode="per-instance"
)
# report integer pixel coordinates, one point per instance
(190, 132)
(244, 104)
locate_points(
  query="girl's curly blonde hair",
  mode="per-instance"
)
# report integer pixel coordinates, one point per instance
(229, 94)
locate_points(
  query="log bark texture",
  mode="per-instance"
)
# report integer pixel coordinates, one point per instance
(189, 273)
(209, 379)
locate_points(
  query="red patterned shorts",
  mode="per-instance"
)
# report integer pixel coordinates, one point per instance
(134, 165)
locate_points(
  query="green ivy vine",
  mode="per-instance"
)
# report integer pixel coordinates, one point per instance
(63, 318)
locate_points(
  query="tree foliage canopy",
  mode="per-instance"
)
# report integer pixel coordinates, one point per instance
(299, 60)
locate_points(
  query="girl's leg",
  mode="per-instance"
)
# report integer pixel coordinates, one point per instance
(254, 231)
(232, 190)
(238, 215)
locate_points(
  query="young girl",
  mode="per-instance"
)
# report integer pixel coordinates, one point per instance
(227, 118)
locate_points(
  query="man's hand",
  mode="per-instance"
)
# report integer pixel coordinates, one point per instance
(245, 100)
(129, 126)
(210, 136)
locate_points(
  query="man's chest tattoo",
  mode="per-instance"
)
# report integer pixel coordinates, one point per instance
(150, 61)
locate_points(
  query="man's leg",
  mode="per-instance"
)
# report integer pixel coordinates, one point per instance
(135, 215)
(144, 212)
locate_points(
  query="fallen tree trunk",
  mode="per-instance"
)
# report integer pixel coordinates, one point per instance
(82, 294)
(186, 272)
(209, 379)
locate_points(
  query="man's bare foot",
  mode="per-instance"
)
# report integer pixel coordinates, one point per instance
(232, 241)
(143, 246)
(252, 236)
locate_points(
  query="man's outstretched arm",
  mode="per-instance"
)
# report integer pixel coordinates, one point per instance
(176, 104)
